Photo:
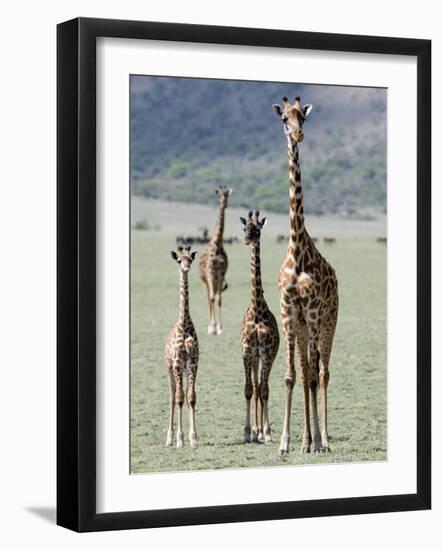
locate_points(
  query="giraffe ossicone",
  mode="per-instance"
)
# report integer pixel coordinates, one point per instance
(308, 298)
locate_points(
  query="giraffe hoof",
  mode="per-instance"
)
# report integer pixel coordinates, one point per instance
(326, 449)
(211, 329)
(268, 439)
(179, 441)
(219, 330)
(317, 444)
(284, 446)
(261, 438)
(305, 449)
(255, 436)
(194, 443)
(246, 439)
(169, 439)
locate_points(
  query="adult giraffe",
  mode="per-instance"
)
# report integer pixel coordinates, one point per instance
(308, 298)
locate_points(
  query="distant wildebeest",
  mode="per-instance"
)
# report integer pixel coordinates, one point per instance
(315, 239)
(190, 239)
(329, 240)
(230, 240)
(281, 238)
(185, 241)
(382, 240)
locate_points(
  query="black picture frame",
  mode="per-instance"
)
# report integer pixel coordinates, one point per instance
(77, 287)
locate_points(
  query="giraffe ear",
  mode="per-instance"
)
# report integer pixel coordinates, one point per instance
(277, 109)
(263, 222)
(243, 220)
(216, 191)
(307, 109)
(194, 254)
(174, 255)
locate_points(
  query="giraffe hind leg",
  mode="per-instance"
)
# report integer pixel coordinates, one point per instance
(301, 352)
(191, 402)
(266, 435)
(313, 332)
(172, 389)
(289, 327)
(248, 363)
(179, 399)
(256, 405)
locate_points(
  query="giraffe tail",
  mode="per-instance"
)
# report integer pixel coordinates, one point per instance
(225, 286)
(318, 358)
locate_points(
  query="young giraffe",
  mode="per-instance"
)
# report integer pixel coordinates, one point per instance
(181, 356)
(213, 265)
(259, 340)
(308, 298)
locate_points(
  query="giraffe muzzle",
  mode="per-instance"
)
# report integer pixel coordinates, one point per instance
(297, 135)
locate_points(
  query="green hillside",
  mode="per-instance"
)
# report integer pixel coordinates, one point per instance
(190, 135)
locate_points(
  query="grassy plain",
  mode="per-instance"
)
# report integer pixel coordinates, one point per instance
(358, 382)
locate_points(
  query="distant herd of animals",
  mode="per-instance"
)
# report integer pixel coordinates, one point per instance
(201, 239)
(308, 292)
(286, 238)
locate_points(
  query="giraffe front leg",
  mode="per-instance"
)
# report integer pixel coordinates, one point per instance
(172, 389)
(288, 319)
(324, 377)
(219, 325)
(191, 400)
(211, 329)
(328, 327)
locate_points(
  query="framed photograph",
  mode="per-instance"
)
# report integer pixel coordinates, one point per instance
(243, 274)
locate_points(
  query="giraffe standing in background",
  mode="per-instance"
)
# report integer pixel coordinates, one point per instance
(308, 298)
(259, 341)
(181, 356)
(213, 265)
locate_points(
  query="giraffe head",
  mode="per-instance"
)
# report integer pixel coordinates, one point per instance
(293, 117)
(223, 194)
(252, 228)
(184, 257)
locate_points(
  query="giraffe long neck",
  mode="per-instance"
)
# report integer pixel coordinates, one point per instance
(219, 228)
(184, 298)
(255, 272)
(296, 243)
